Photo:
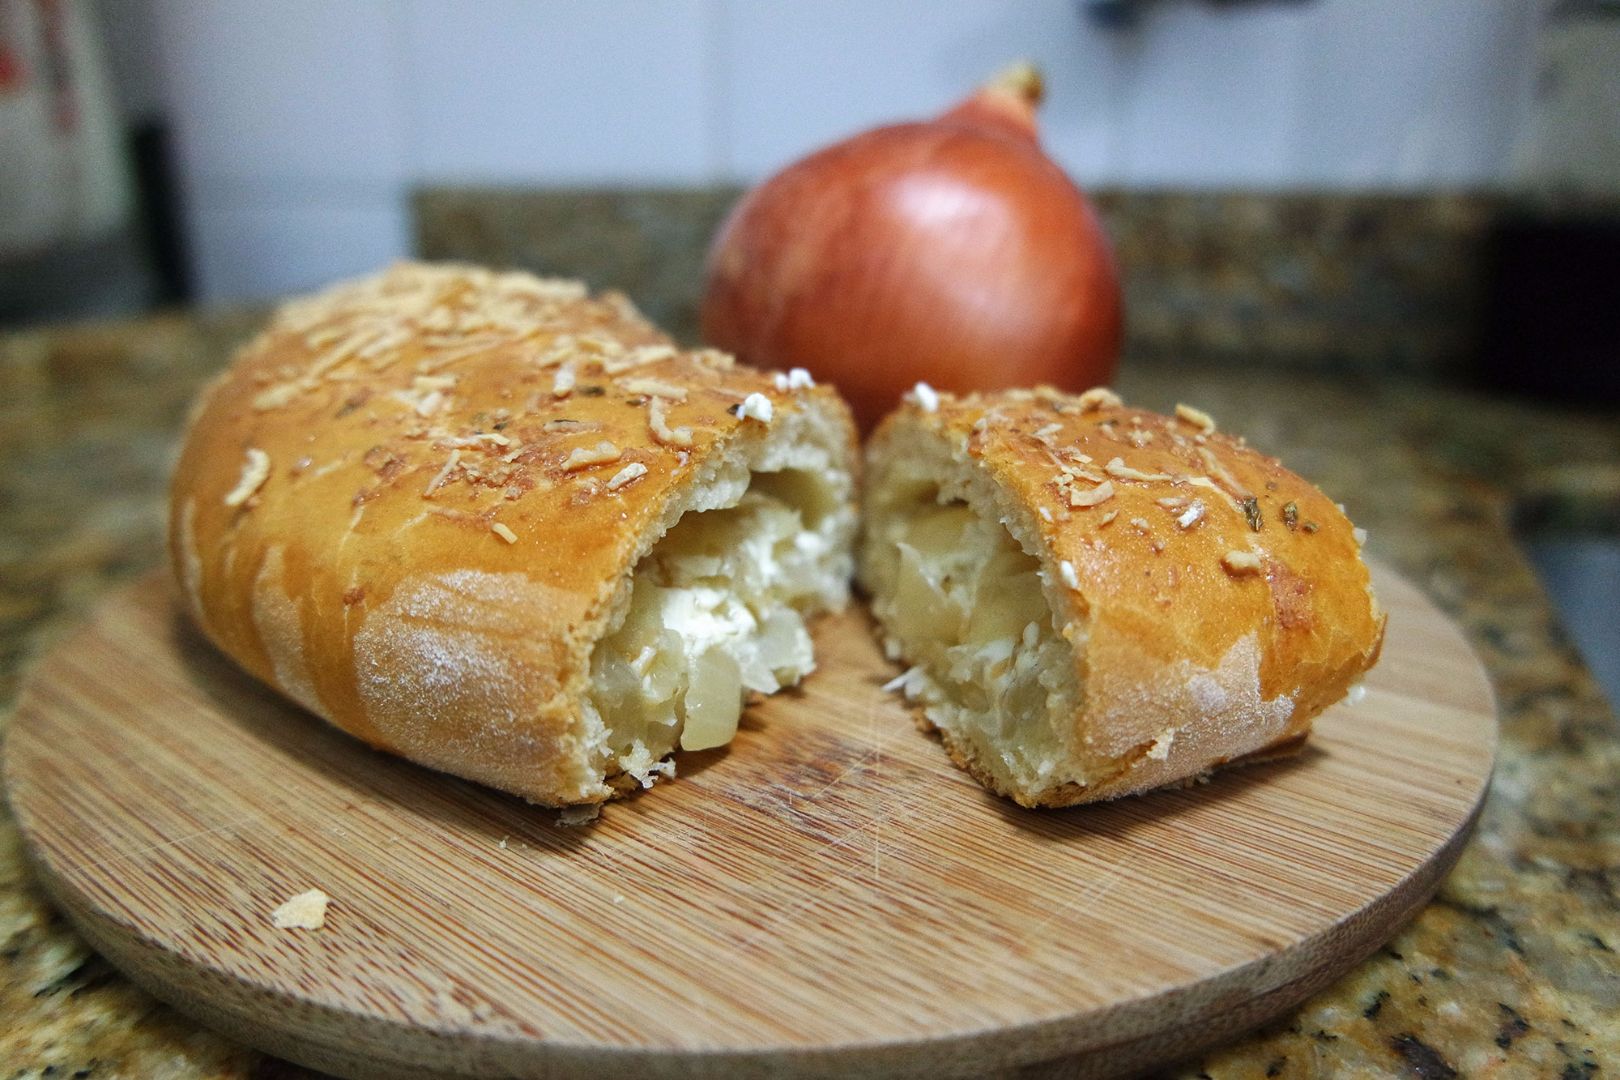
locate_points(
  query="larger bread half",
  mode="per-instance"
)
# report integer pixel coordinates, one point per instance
(507, 530)
(1096, 600)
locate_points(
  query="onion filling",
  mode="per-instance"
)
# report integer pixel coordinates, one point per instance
(966, 606)
(717, 610)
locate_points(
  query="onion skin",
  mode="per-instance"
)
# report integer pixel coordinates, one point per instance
(951, 251)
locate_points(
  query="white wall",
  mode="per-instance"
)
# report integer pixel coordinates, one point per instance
(302, 123)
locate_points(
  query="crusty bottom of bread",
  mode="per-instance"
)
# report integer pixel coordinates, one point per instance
(962, 756)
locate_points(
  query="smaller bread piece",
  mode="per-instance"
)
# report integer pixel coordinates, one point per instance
(508, 530)
(1096, 600)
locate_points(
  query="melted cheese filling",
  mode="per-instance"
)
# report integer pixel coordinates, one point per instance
(717, 610)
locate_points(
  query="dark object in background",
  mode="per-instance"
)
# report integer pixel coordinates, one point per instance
(1125, 14)
(158, 211)
(1550, 325)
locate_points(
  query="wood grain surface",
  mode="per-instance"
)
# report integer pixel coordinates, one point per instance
(826, 896)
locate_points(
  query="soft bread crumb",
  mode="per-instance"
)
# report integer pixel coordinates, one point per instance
(306, 911)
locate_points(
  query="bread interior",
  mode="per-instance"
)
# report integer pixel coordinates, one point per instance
(717, 608)
(965, 603)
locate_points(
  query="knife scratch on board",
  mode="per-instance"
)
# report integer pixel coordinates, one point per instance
(119, 856)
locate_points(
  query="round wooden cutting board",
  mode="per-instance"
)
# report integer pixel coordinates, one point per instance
(827, 896)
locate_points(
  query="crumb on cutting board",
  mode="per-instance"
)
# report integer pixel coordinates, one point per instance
(306, 911)
(571, 816)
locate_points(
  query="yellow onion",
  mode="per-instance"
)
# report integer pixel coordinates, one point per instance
(951, 251)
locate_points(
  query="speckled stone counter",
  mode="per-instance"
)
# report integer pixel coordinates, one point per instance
(1512, 971)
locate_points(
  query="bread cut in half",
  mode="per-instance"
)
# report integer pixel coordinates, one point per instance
(1096, 600)
(507, 530)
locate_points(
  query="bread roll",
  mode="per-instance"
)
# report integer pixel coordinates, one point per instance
(1097, 600)
(507, 530)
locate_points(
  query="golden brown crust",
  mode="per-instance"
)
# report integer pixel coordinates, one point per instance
(1208, 591)
(411, 501)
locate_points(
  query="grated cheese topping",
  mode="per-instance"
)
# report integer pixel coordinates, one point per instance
(1198, 418)
(658, 424)
(1241, 562)
(583, 457)
(1099, 397)
(255, 471)
(562, 383)
(642, 355)
(438, 481)
(1116, 467)
(478, 437)
(1097, 495)
(1066, 572)
(627, 475)
(654, 388)
(276, 396)
(435, 314)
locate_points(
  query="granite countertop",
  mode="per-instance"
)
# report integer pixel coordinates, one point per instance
(1512, 971)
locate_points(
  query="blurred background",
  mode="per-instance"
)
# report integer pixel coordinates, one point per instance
(228, 150)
